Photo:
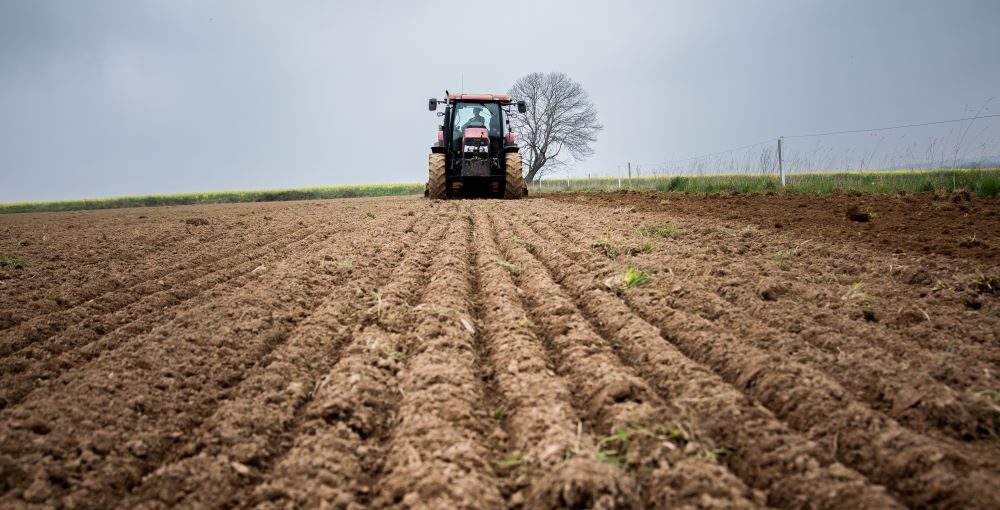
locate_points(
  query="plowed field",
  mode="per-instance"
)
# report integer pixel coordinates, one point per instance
(406, 353)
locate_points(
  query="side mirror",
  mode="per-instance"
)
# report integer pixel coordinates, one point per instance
(432, 104)
(522, 107)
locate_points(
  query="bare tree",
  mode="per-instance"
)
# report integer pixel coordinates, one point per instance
(560, 123)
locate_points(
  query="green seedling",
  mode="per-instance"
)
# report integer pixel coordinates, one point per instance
(786, 254)
(660, 230)
(514, 269)
(378, 305)
(499, 412)
(635, 278)
(604, 246)
(609, 457)
(525, 322)
(854, 294)
(572, 452)
(646, 247)
(396, 355)
(9, 262)
(619, 435)
(525, 244)
(971, 241)
(716, 454)
(510, 461)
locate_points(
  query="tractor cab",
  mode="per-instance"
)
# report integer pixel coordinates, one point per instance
(474, 144)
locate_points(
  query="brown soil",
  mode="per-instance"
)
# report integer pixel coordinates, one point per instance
(407, 353)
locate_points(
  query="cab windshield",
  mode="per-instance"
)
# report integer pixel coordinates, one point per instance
(483, 115)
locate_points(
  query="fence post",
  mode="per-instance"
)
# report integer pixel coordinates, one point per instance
(630, 175)
(781, 169)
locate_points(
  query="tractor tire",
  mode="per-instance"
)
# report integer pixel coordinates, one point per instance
(436, 186)
(514, 187)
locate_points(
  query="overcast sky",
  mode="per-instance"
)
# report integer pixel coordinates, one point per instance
(106, 98)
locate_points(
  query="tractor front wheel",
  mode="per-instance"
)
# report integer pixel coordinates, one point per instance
(514, 186)
(436, 186)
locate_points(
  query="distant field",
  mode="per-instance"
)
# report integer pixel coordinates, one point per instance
(983, 182)
(368, 190)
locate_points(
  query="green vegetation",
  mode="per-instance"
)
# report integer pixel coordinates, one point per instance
(510, 461)
(514, 269)
(856, 297)
(658, 230)
(530, 248)
(782, 258)
(646, 247)
(9, 262)
(636, 278)
(985, 182)
(374, 190)
(607, 248)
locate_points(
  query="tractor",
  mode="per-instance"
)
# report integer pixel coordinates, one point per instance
(476, 154)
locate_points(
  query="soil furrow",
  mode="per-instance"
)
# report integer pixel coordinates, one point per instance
(52, 283)
(141, 401)
(332, 453)
(641, 432)
(919, 470)
(436, 456)
(870, 373)
(39, 362)
(44, 327)
(911, 307)
(127, 254)
(794, 471)
(237, 443)
(541, 426)
(407, 353)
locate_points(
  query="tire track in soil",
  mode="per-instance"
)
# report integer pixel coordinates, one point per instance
(437, 455)
(794, 471)
(330, 456)
(536, 412)
(236, 445)
(33, 365)
(43, 327)
(665, 458)
(141, 401)
(871, 375)
(920, 471)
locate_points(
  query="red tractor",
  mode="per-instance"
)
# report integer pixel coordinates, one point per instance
(476, 154)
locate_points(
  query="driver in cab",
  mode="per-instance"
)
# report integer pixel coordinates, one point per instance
(477, 119)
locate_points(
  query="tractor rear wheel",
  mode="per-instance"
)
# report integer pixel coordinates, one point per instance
(514, 185)
(436, 186)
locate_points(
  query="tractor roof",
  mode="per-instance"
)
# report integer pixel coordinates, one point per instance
(479, 97)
